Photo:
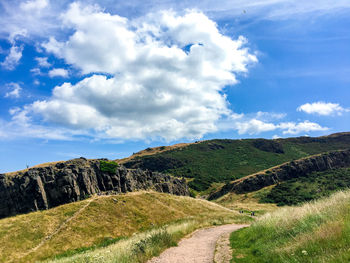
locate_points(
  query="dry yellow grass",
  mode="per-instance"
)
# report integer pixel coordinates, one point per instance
(246, 202)
(105, 217)
(151, 151)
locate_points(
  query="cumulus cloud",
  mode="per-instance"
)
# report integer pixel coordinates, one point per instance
(58, 72)
(254, 126)
(13, 58)
(15, 90)
(297, 128)
(160, 76)
(322, 108)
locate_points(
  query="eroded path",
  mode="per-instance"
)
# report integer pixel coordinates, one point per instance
(198, 248)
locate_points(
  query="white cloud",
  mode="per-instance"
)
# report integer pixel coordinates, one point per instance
(15, 90)
(42, 62)
(254, 126)
(34, 5)
(297, 128)
(36, 72)
(166, 75)
(13, 58)
(58, 72)
(322, 108)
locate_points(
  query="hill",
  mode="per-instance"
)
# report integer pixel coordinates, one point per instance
(290, 170)
(220, 161)
(99, 221)
(315, 232)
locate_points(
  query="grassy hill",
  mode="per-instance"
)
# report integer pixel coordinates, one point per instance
(315, 232)
(104, 220)
(306, 188)
(217, 161)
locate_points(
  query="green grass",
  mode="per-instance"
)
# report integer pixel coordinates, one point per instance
(109, 166)
(315, 232)
(221, 161)
(307, 188)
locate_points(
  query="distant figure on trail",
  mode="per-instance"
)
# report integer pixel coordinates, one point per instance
(253, 213)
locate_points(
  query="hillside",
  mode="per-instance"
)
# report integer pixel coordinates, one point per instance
(103, 220)
(221, 161)
(290, 170)
(315, 232)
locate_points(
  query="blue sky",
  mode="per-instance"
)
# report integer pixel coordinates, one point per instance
(109, 78)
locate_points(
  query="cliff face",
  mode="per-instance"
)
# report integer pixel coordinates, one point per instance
(294, 169)
(64, 182)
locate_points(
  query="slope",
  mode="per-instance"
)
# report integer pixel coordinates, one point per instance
(219, 161)
(98, 221)
(315, 232)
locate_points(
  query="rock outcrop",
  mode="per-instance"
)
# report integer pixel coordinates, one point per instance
(286, 171)
(64, 182)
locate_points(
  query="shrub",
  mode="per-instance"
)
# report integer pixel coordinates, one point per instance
(108, 166)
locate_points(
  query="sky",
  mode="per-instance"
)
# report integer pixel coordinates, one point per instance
(105, 79)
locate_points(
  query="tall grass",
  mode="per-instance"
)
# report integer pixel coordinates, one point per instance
(318, 231)
(142, 246)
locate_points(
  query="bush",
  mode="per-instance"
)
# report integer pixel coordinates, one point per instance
(108, 166)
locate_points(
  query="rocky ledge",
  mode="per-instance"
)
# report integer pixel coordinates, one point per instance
(45, 187)
(286, 171)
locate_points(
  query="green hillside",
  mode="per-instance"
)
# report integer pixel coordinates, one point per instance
(218, 161)
(315, 232)
(307, 188)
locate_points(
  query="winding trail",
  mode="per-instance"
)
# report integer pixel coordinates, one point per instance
(198, 248)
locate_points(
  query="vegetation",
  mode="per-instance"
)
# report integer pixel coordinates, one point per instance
(109, 166)
(307, 188)
(315, 232)
(248, 202)
(220, 161)
(86, 225)
(143, 246)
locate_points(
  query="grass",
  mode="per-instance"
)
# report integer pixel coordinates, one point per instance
(318, 231)
(143, 246)
(307, 188)
(221, 161)
(247, 202)
(105, 218)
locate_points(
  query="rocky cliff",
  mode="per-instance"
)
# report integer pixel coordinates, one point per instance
(289, 170)
(63, 182)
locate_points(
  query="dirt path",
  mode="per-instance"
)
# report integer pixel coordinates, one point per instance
(59, 228)
(198, 248)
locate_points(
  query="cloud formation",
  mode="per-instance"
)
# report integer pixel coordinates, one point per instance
(15, 90)
(58, 72)
(160, 76)
(13, 58)
(322, 108)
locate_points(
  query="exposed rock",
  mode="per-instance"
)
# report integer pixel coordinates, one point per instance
(64, 182)
(286, 171)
